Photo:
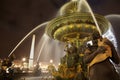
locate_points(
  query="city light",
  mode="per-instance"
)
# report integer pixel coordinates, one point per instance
(51, 61)
(23, 59)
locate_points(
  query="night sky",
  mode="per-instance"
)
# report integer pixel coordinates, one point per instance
(18, 17)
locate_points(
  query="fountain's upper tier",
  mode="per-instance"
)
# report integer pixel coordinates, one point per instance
(74, 6)
(75, 22)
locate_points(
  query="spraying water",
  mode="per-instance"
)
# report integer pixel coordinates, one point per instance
(83, 5)
(47, 45)
(44, 40)
(110, 33)
(27, 36)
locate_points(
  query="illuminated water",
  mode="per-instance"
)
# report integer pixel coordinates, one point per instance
(84, 6)
(48, 49)
(114, 33)
(27, 37)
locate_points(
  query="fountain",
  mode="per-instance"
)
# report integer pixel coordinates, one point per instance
(73, 28)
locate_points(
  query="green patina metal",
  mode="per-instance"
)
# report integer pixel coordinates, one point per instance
(70, 25)
(73, 22)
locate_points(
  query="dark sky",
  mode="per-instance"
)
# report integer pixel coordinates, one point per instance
(18, 17)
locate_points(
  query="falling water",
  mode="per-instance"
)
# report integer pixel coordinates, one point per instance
(47, 46)
(113, 33)
(49, 49)
(83, 5)
(27, 36)
(44, 40)
(110, 35)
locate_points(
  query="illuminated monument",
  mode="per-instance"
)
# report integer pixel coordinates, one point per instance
(31, 58)
(75, 26)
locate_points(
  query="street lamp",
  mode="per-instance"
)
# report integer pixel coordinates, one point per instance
(23, 63)
(51, 61)
(23, 59)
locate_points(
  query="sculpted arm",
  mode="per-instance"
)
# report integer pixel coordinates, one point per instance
(89, 56)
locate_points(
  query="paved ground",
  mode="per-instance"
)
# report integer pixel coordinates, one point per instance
(41, 77)
(36, 78)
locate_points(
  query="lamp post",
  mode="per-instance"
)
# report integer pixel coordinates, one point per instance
(23, 63)
(23, 59)
(51, 61)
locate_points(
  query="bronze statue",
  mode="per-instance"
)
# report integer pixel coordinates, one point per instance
(99, 58)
